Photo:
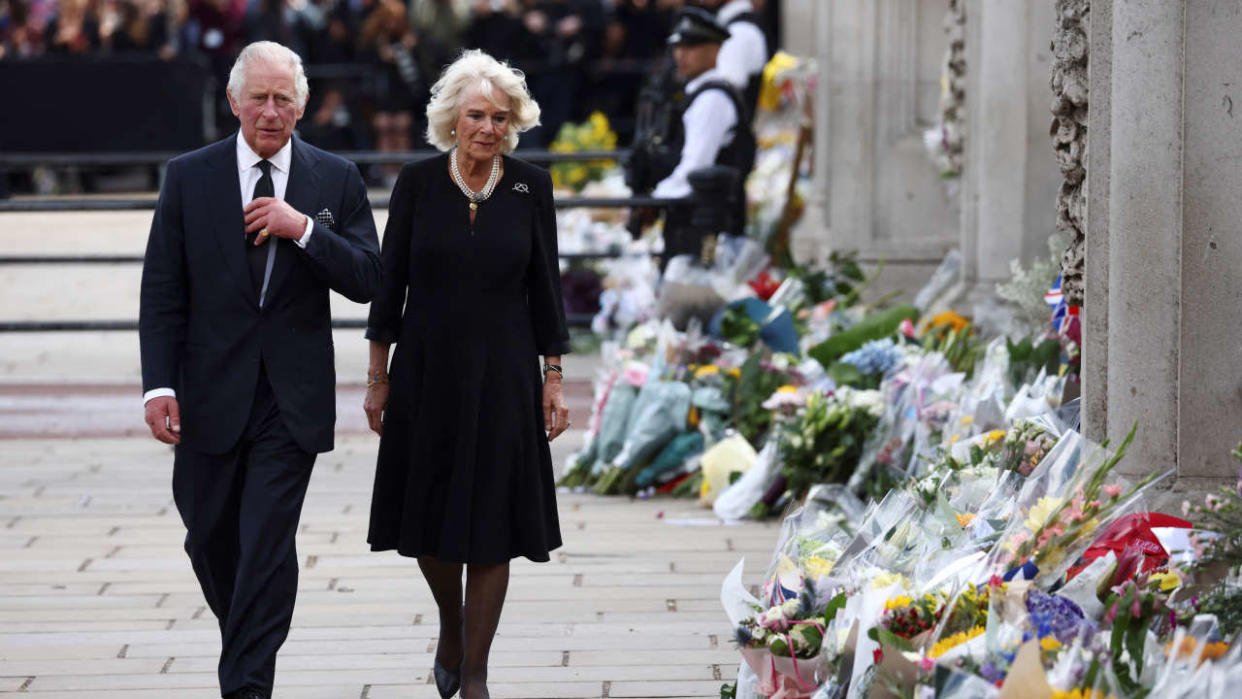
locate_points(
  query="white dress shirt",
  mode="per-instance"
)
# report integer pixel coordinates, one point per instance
(708, 125)
(248, 173)
(745, 52)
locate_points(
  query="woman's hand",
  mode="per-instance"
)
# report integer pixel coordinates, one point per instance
(374, 404)
(555, 412)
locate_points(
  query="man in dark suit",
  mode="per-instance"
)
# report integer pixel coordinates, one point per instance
(249, 236)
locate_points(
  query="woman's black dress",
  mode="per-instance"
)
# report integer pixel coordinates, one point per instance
(464, 472)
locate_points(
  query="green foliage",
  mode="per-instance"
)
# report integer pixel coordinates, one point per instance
(754, 385)
(824, 444)
(739, 328)
(1026, 358)
(874, 326)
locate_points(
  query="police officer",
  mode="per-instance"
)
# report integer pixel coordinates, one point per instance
(713, 130)
(744, 54)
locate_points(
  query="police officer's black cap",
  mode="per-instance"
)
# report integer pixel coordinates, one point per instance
(697, 26)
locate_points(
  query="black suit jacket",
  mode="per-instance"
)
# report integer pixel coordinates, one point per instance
(201, 330)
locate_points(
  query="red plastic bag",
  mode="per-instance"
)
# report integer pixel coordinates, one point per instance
(1130, 538)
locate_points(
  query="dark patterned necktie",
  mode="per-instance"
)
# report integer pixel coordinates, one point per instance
(256, 255)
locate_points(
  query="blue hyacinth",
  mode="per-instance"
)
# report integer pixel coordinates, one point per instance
(875, 358)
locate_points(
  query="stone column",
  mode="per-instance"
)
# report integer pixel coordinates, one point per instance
(1145, 227)
(1163, 281)
(1010, 177)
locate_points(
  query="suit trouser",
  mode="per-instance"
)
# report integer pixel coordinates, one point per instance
(241, 512)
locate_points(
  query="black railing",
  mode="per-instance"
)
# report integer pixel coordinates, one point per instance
(12, 160)
(157, 158)
(148, 203)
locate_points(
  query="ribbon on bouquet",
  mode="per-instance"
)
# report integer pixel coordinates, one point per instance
(803, 685)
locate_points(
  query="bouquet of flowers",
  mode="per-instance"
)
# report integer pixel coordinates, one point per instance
(825, 441)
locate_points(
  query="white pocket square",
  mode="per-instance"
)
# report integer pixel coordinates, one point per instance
(324, 218)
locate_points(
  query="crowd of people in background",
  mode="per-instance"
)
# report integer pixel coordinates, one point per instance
(371, 62)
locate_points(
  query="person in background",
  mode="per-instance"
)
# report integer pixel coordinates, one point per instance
(744, 54)
(713, 129)
(441, 26)
(495, 28)
(390, 44)
(75, 28)
(20, 35)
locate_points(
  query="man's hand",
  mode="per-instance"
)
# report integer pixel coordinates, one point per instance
(163, 416)
(275, 215)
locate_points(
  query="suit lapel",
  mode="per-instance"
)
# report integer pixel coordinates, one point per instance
(224, 201)
(301, 193)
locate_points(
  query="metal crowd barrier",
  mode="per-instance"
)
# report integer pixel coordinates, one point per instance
(148, 204)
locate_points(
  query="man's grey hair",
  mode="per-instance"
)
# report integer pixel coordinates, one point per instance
(268, 52)
(476, 70)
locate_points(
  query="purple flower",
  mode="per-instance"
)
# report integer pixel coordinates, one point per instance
(1054, 616)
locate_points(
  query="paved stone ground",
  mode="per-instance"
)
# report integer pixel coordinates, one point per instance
(97, 599)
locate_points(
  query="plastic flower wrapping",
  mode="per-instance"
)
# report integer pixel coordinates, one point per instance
(946, 529)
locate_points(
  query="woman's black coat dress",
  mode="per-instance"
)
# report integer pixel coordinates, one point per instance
(464, 472)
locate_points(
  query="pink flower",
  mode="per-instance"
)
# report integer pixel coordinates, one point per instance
(926, 664)
(1185, 508)
(1136, 609)
(1111, 614)
(1055, 530)
(1031, 448)
(1094, 504)
(1112, 491)
(906, 328)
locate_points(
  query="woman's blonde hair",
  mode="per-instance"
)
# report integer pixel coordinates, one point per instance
(474, 69)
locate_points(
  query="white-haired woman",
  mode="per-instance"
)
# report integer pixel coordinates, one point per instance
(470, 297)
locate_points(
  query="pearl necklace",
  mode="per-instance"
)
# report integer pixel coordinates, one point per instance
(481, 195)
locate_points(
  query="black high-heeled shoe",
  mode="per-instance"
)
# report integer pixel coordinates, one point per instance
(447, 683)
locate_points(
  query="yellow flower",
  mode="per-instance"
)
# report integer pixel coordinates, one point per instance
(964, 520)
(1079, 694)
(995, 436)
(735, 373)
(968, 420)
(1167, 580)
(817, 567)
(950, 318)
(1189, 647)
(944, 645)
(898, 601)
(706, 370)
(1041, 511)
(886, 578)
(1049, 643)
(787, 388)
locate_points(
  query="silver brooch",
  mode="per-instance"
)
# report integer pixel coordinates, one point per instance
(324, 218)
(521, 187)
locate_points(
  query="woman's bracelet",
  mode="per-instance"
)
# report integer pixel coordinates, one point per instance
(376, 377)
(553, 367)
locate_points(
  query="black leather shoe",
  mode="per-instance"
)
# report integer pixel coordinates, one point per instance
(447, 683)
(247, 693)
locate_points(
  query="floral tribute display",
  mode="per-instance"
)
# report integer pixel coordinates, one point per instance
(946, 528)
(947, 531)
